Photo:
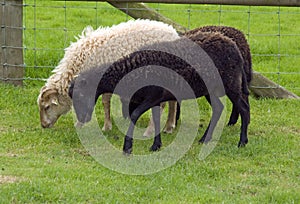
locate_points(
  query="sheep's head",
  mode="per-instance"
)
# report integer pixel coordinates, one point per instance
(83, 96)
(52, 105)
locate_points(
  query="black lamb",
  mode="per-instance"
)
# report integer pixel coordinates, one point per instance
(224, 54)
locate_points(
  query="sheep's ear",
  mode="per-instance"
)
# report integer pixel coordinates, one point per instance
(47, 92)
(54, 101)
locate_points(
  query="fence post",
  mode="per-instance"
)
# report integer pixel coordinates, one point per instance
(11, 42)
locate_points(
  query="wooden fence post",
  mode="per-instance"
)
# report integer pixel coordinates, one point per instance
(139, 10)
(11, 42)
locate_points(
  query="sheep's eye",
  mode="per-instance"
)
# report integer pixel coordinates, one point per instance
(46, 108)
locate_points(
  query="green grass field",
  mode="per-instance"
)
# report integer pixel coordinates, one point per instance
(52, 166)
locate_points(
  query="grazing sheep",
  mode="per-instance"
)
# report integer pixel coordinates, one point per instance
(222, 51)
(239, 38)
(93, 48)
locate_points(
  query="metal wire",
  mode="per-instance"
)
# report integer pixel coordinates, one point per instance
(278, 72)
(279, 50)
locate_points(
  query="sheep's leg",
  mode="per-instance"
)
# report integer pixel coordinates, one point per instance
(106, 104)
(128, 140)
(217, 108)
(156, 118)
(208, 99)
(244, 110)
(246, 99)
(150, 128)
(234, 113)
(171, 122)
(143, 107)
(177, 112)
(125, 108)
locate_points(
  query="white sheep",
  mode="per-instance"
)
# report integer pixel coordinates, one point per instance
(93, 48)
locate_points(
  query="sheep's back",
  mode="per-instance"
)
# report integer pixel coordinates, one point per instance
(222, 51)
(106, 45)
(238, 37)
(225, 55)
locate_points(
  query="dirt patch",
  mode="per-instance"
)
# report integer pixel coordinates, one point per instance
(3, 129)
(8, 179)
(8, 155)
(82, 152)
(291, 130)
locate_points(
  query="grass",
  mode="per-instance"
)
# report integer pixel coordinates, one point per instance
(51, 165)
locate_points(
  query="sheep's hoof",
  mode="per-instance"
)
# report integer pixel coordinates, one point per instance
(155, 147)
(230, 123)
(233, 119)
(127, 152)
(107, 127)
(79, 124)
(204, 139)
(127, 148)
(242, 143)
(168, 130)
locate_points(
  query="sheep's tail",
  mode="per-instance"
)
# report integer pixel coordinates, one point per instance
(250, 74)
(245, 89)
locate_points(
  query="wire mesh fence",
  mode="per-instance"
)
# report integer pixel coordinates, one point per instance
(272, 32)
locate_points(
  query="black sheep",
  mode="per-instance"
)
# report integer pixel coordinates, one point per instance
(239, 38)
(222, 51)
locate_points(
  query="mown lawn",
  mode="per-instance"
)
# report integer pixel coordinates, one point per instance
(51, 165)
